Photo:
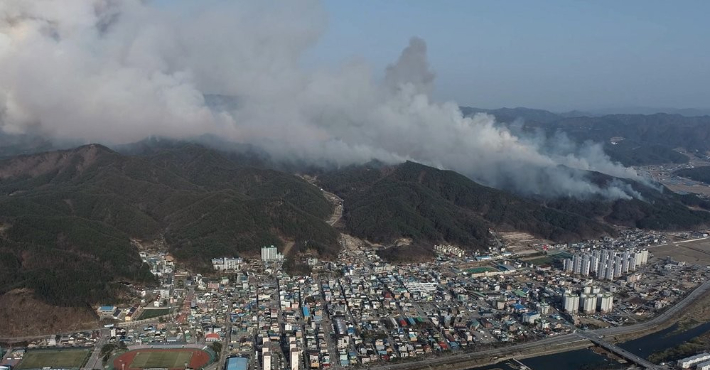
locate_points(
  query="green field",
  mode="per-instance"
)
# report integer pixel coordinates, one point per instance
(150, 313)
(547, 260)
(163, 359)
(478, 270)
(61, 358)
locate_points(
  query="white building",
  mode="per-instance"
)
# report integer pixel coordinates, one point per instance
(295, 356)
(704, 365)
(226, 264)
(266, 361)
(577, 264)
(586, 264)
(606, 302)
(571, 302)
(567, 265)
(270, 254)
(641, 257)
(690, 361)
(618, 266)
(589, 302)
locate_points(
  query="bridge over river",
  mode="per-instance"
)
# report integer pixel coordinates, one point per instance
(596, 339)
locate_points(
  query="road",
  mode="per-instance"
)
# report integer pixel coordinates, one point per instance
(660, 319)
(94, 361)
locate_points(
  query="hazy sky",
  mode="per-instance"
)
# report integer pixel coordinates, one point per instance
(557, 55)
(333, 85)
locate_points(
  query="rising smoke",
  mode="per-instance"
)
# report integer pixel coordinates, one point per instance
(117, 71)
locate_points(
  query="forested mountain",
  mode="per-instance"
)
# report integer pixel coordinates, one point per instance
(411, 200)
(701, 174)
(630, 153)
(668, 130)
(68, 216)
(419, 202)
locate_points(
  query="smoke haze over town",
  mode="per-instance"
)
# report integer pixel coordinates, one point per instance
(117, 72)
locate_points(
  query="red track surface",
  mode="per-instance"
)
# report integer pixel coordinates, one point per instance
(199, 358)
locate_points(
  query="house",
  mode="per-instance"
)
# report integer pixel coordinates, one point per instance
(212, 337)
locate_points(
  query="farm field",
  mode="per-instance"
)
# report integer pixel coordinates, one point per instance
(695, 252)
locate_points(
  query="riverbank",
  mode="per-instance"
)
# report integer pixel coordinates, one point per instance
(518, 355)
(695, 314)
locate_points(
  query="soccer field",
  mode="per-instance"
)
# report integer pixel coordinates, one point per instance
(55, 359)
(168, 359)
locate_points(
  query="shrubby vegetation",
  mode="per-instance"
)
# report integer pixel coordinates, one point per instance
(686, 349)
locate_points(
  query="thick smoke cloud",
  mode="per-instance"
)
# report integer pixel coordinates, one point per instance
(119, 71)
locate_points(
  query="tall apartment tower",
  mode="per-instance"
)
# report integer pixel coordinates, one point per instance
(618, 266)
(606, 302)
(577, 260)
(571, 302)
(586, 264)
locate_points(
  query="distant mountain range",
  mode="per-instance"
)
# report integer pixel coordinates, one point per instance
(687, 112)
(645, 139)
(701, 174)
(533, 113)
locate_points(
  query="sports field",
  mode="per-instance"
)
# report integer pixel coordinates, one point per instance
(161, 359)
(149, 313)
(478, 270)
(55, 359)
(168, 358)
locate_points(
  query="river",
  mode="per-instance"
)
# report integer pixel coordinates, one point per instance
(585, 359)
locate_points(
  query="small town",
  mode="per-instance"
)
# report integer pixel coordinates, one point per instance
(360, 310)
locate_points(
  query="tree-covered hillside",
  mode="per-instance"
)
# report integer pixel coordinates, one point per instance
(383, 203)
(68, 216)
(701, 174)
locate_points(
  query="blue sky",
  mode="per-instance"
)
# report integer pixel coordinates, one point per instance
(557, 55)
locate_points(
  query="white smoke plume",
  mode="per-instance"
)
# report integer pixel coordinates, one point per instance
(117, 71)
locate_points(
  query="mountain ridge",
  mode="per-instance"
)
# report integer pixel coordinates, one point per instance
(82, 206)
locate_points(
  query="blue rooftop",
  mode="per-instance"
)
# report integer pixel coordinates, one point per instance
(237, 363)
